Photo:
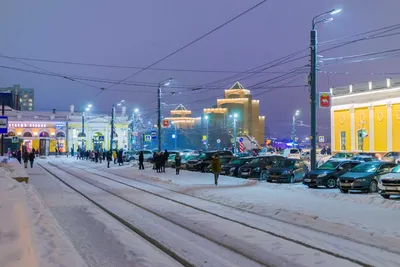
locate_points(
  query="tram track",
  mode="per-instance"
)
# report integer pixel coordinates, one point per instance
(273, 234)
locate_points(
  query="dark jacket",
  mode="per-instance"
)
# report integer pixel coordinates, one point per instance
(31, 156)
(109, 155)
(120, 156)
(177, 161)
(25, 156)
(216, 164)
(141, 157)
(166, 155)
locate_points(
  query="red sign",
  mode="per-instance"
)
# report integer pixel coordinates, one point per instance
(324, 100)
(241, 147)
(165, 123)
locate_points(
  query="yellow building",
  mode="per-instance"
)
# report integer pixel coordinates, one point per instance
(366, 117)
(239, 100)
(182, 118)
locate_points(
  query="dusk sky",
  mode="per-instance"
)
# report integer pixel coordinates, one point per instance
(137, 33)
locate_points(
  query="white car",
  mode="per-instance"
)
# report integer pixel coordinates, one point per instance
(389, 184)
(291, 153)
(147, 154)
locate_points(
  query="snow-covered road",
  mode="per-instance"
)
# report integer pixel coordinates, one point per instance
(226, 236)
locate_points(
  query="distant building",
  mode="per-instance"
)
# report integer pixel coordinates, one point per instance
(22, 98)
(182, 118)
(238, 100)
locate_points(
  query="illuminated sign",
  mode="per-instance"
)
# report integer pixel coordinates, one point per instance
(27, 125)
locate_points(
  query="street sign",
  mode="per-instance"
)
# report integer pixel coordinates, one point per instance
(218, 141)
(321, 139)
(15, 139)
(324, 100)
(101, 138)
(204, 138)
(147, 138)
(165, 123)
(241, 140)
(3, 124)
(173, 136)
(153, 134)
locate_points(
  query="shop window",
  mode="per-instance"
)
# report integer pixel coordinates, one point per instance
(27, 134)
(343, 140)
(360, 140)
(30, 100)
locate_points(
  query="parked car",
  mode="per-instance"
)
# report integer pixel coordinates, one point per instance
(253, 168)
(287, 170)
(389, 184)
(171, 161)
(269, 150)
(147, 155)
(364, 158)
(128, 155)
(328, 173)
(364, 177)
(201, 162)
(186, 158)
(231, 168)
(224, 160)
(305, 155)
(342, 155)
(291, 153)
(391, 157)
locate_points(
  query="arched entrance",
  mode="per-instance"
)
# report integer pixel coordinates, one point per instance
(44, 143)
(98, 141)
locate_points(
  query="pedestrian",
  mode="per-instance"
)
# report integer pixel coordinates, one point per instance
(115, 156)
(162, 162)
(19, 156)
(120, 161)
(177, 163)
(96, 156)
(158, 162)
(109, 158)
(8, 153)
(141, 159)
(216, 167)
(25, 157)
(166, 155)
(32, 157)
(100, 156)
(154, 160)
(72, 152)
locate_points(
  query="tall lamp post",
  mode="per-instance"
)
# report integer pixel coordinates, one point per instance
(160, 85)
(112, 122)
(234, 116)
(313, 80)
(175, 136)
(133, 125)
(87, 109)
(294, 127)
(206, 119)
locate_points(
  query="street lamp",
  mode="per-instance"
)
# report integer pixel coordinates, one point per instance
(313, 80)
(206, 119)
(132, 138)
(175, 136)
(160, 85)
(112, 121)
(87, 109)
(234, 116)
(296, 114)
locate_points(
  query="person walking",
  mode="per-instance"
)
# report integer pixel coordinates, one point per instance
(25, 157)
(120, 161)
(109, 158)
(32, 158)
(19, 156)
(158, 162)
(115, 156)
(141, 160)
(216, 167)
(162, 162)
(177, 163)
(166, 155)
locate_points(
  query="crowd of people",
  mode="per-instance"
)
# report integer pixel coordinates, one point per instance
(24, 155)
(100, 155)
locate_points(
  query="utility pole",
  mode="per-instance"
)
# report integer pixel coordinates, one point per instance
(83, 130)
(2, 135)
(234, 133)
(112, 127)
(294, 127)
(159, 117)
(207, 132)
(176, 137)
(313, 98)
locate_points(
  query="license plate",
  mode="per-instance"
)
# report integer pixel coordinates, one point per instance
(344, 184)
(245, 173)
(307, 180)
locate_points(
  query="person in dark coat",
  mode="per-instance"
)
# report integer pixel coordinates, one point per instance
(161, 159)
(31, 157)
(120, 161)
(216, 167)
(177, 163)
(25, 157)
(19, 156)
(158, 162)
(166, 155)
(109, 158)
(96, 156)
(141, 160)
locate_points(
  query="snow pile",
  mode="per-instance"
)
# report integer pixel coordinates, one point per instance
(29, 234)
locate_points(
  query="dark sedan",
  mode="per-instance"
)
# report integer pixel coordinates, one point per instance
(232, 167)
(254, 167)
(288, 170)
(364, 177)
(328, 173)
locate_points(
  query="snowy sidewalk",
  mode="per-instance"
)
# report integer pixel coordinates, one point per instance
(29, 234)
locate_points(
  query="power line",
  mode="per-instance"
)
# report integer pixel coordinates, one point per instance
(192, 42)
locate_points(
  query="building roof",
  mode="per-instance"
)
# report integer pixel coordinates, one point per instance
(180, 107)
(236, 86)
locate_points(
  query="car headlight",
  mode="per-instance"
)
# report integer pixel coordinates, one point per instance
(257, 169)
(285, 173)
(321, 175)
(360, 180)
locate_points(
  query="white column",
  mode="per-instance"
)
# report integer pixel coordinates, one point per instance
(371, 128)
(352, 131)
(389, 127)
(333, 130)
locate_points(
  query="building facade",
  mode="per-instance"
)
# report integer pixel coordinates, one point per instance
(238, 100)
(48, 131)
(366, 117)
(182, 118)
(22, 98)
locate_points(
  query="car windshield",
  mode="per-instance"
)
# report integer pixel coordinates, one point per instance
(329, 165)
(225, 160)
(205, 155)
(172, 157)
(238, 161)
(366, 167)
(294, 151)
(284, 163)
(255, 161)
(339, 156)
(397, 169)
